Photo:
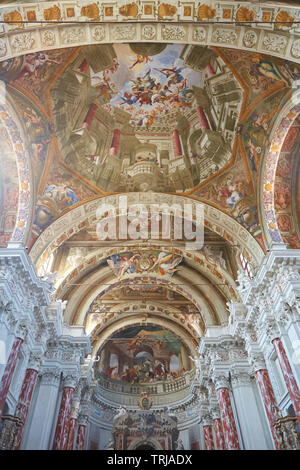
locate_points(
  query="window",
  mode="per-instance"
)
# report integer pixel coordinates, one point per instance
(246, 265)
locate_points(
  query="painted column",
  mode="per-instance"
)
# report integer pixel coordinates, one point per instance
(114, 148)
(269, 400)
(288, 375)
(208, 434)
(61, 432)
(11, 365)
(83, 421)
(26, 392)
(229, 427)
(220, 441)
(176, 143)
(202, 118)
(210, 70)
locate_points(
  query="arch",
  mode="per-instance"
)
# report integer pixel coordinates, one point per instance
(198, 259)
(134, 444)
(134, 320)
(152, 308)
(14, 129)
(279, 132)
(100, 26)
(85, 214)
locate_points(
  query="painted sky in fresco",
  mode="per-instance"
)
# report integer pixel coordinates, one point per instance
(147, 87)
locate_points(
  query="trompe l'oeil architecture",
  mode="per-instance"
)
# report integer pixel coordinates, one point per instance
(127, 129)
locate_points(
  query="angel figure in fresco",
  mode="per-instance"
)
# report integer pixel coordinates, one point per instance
(33, 62)
(121, 265)
(265, 68)
(166, 263)
(140, 59)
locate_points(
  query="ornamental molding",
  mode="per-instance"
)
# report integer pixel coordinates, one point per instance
(47, 36)
(240, 378)
(50, 377)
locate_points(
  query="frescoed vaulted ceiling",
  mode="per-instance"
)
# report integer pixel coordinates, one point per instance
(171, 119)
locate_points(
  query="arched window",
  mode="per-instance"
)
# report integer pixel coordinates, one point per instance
(174, 363)
(246, 265)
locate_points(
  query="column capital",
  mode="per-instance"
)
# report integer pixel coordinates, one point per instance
(220, 381)
(50, 377)
(83, 420)
(22, 330)
(240, 378)
(35, 361)
(257, 362)
(70, 380)
(206, 420)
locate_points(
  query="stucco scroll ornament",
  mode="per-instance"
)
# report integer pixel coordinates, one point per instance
(48, 37)
(3, 48)
(274, 42)
(73, 34)
(124, 32)
(224, 36)
(199, 34)
(148, 32)
(296, 48)
(98, 33)
(173, 32)
(250, 38)
(22, 42)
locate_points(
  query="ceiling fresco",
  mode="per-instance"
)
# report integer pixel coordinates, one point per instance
(148, 117)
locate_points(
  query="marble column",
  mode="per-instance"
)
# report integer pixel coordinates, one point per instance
(288, 375)
(11, 365)
(228, 422)
(269, 401)
(220, 441)
(71, 433)
(114, 149)
(176, 143)
(26, 392)
(81, 432)
(61, 432)
(208, 434)
(202, 118)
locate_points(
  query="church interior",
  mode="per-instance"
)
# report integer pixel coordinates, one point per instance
(144, 340)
